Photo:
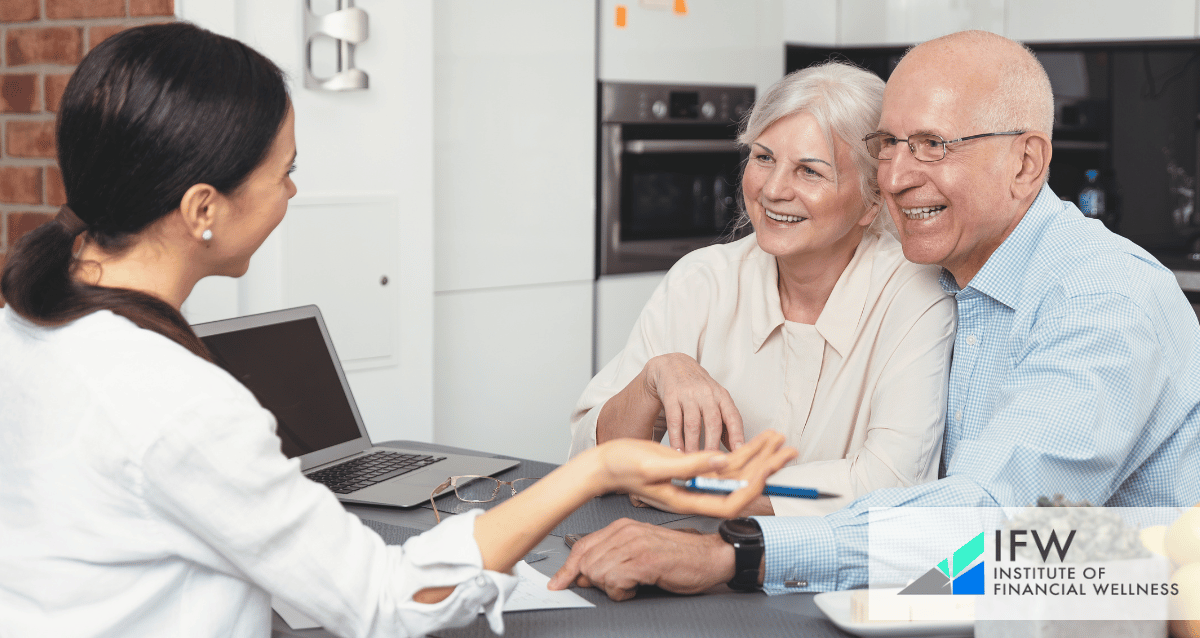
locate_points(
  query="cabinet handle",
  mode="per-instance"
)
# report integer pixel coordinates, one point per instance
(347, 25)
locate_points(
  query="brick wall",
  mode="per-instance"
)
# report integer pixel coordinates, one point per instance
(42, 41)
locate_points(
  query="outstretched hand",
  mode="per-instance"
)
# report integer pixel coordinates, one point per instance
(645, 469)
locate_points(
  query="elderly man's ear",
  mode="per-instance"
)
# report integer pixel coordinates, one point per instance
(1033, 152)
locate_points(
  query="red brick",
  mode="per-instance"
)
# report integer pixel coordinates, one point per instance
(99, 34)
(21, 223)
(67, 9)
(18, 93)
(30, 138)
(18, 10)
(56, 195)
(52, 45)
(151, 7)
(20, 185)
(55, 85)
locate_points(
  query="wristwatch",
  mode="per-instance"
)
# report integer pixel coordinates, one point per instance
(747, 539)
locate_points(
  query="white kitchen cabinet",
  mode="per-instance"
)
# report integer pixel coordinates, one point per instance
(514, 129)
(903, 22)
(714, 42)
(619, 302)
(1093, 20)
(511, 362)
(812, 22)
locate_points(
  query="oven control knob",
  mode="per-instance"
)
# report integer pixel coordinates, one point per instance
(708, 110)
(659, 108)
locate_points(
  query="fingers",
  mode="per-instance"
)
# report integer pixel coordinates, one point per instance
(586, 552)
(735, 435)
(673, 412)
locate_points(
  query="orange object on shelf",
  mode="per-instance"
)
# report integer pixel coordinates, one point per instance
(681, 7)
(620, 16)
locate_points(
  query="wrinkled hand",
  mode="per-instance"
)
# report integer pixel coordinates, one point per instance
(645, 469)
(627, 553)
(693, 402)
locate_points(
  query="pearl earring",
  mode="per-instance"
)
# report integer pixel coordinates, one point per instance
(206, 235)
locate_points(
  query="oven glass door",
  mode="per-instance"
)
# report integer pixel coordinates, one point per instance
(670, 193)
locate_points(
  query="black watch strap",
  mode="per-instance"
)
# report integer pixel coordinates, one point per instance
(746, 537)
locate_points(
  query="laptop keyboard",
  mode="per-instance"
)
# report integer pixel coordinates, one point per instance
(369, 469)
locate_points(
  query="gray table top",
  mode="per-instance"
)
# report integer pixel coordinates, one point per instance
(654, 612)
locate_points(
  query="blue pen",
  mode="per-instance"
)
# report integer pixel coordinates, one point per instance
(725, 486)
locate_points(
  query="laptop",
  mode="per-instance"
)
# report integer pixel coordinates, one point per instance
(287, 360)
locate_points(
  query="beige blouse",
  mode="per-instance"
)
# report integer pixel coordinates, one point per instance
(861, 394)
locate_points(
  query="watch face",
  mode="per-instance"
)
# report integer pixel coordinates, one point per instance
(742, 527)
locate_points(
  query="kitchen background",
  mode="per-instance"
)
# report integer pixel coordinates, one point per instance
(446, 221)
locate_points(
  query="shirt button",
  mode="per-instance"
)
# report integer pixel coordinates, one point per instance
(481, 580)
(971, 340)
(958, 415)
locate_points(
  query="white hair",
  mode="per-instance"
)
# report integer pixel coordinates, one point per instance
(846, 102)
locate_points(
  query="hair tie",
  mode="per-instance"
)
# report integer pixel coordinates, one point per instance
(70, 221)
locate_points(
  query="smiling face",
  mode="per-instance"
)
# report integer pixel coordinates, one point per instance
(957, 211)
(798, 209)
(259, 203)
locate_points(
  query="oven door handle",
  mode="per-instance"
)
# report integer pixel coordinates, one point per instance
(645, 147)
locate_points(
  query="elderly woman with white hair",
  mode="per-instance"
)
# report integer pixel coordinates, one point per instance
(815, 325)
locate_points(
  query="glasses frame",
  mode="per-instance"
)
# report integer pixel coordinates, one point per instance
(912, 149)
(453, 482)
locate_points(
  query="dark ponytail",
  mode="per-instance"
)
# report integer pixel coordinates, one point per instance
(148, 113)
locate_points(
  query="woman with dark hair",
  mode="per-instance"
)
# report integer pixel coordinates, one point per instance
(142, 489)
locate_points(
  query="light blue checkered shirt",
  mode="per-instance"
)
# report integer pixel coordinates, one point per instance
(1076, 371)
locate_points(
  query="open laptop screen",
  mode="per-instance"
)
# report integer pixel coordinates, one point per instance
(289, 369)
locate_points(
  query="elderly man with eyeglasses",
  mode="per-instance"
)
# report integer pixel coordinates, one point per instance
(1076, 366)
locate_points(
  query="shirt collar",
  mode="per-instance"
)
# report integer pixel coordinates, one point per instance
(1001, 275)
(839, 320)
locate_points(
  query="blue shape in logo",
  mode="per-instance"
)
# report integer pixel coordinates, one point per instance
(970, 583)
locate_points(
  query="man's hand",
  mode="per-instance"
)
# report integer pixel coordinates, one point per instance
(626, 554)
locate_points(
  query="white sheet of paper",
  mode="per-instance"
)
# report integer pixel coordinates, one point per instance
(531, 592)
(292, 616)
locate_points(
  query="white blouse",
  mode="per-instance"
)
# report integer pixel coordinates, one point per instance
(861, 394)
(143, 493)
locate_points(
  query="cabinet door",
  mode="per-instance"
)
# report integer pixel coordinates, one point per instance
(910, 21)
(509, 365)
(1090, 20)
(812, 22)
(515, 129)
(619, 303)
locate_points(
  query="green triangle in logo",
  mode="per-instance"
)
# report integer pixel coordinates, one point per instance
(945, 566)
(965, 555)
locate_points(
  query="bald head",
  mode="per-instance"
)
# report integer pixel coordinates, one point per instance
(1003, 83)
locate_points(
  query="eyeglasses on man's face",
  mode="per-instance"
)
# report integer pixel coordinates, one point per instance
(476, 489)
(926, 147)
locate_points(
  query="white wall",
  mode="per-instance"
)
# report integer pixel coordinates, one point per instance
(364, 208)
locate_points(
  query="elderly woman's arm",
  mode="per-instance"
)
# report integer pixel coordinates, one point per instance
(655, 385)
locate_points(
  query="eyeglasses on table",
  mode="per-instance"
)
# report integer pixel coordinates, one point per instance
(476, 489)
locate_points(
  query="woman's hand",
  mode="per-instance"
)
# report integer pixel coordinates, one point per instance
(645, 469)
(692, 402)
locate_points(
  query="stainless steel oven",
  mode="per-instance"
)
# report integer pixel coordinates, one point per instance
(669, 171)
